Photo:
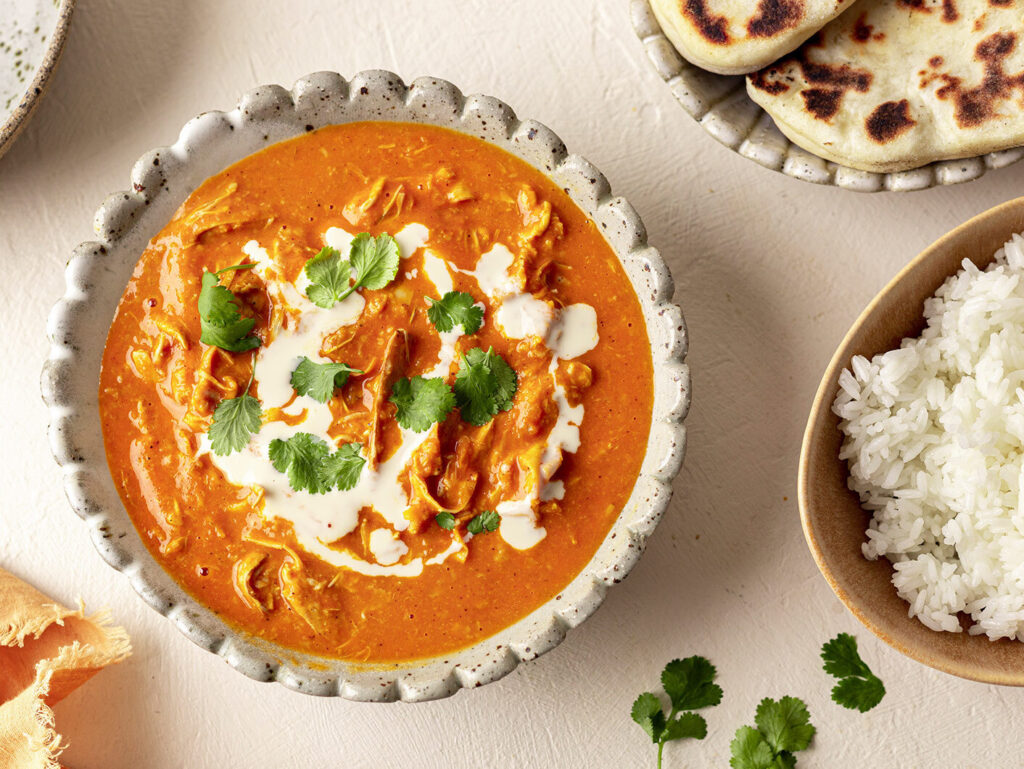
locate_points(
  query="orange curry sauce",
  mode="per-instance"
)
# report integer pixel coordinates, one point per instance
(159, 386)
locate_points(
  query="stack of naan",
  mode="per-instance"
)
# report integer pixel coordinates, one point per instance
(878, 85)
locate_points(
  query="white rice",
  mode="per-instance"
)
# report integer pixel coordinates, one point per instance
(935, 443)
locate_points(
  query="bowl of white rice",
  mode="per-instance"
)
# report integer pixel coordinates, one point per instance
(911, 486)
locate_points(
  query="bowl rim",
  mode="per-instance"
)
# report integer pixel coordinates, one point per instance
(822, 404)
(20, 115)
(211, 142)
(719, 103)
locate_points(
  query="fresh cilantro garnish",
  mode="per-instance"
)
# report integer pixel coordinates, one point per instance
(318, 380)
(342, 468)
(858, 688)
(690, 686)
(421, 402)
(220, 315)
(235, 420)
(310, 465)
(374, 260)
(445, 520)
(484, 385)
(783, 728)
(488, 520)
(455, 308)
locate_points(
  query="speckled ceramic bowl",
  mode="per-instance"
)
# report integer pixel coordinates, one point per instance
(161, 180)
(32, 35)
(721, 105)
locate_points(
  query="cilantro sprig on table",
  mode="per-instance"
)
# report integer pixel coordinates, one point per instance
(782, 728)
(858, 688)
(456, 308)
(374, 260)
(319, 380)
(220, 315)
(484, 385)
(311, 466)
(421, 402)
(690, 686)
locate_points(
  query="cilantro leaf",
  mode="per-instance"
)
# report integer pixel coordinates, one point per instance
(484, 385)
(648, 713)
(686, 726)
(342, 468)
(318, 380)
(858, 688)
(235, 420)
(785, 724)
(374, 260)
(301, 458)
(688, 683)
(488, 520)
(220, 316)
(859, 693)
(749, 750)
(328, 275)
(455, 308)
(421, 402)
(445, 520)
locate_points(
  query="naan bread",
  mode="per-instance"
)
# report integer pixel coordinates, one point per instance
(734, 37)
(896, 84)
(46, 652)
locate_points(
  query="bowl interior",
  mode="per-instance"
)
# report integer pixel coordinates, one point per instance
(833, 520)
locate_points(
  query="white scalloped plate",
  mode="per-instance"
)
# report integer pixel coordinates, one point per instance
(161, 180)
(721, 105)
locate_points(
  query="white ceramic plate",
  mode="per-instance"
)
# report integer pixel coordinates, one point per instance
(721, 105)
(161, 180)
(32, 35)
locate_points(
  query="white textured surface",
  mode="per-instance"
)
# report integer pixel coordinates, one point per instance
(770, 272)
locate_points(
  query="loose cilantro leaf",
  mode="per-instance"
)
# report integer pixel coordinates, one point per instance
(455, 308)
(858, 688)
(785, 724)
(783, 728)
(421, 402)
(749, 750)
(374, 259)
(689, 685)
(342, 468)
(318, 380)
(484, 385)
(488, 520)
(445, 520)
(328, 274)
(301, 458)
(648, 713)
(220, 316)
(235, 420)
(686, 726)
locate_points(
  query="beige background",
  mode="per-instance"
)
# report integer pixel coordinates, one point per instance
(770, 272)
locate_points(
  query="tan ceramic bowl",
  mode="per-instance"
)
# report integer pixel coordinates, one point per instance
(833, 520)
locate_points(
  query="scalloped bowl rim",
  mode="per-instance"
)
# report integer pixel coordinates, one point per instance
(161, 180)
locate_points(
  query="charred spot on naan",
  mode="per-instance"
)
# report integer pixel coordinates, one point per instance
(863, 32)
(775, 16)
(974, 106)
(949, 9)
(712, 28)
(889, 120)
(829, 82)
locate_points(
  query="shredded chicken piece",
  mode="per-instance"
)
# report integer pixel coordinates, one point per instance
(458, 482)
(242, 576)
(459, 192)
(200, 407)
(396, 357)
(359, 206)
(295, 589)
(575, 377)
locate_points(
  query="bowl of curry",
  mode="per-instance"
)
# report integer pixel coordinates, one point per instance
(371, 388)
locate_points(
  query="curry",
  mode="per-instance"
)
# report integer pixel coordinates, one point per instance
(376, 392)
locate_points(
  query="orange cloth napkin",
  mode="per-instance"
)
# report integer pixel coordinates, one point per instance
(46, 652)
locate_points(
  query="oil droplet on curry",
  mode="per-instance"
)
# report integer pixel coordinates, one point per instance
(395, 564)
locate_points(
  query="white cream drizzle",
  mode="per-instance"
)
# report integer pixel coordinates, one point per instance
(319, 519)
